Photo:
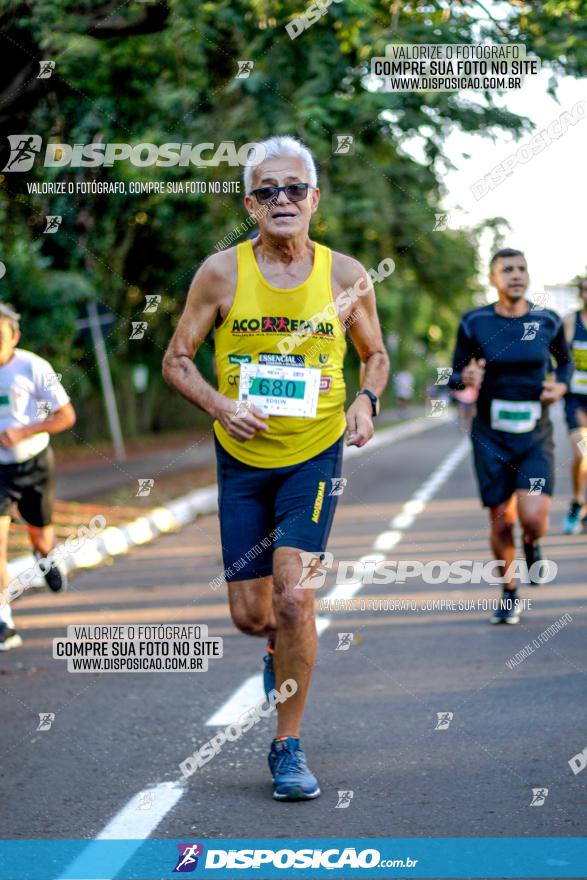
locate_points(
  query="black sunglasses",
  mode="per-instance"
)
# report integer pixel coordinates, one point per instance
(295, 192)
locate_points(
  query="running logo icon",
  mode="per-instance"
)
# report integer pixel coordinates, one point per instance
(188, 857)
(540, 301)
(245, 68)
(344, 799)
(437, 408)
(242, 409)
(146, 800)
(531, 328)
(43, 409)
(440, 222)
(444, 374)
(338, 485)
(145, 487)
(138, 329)
(539, 795)
(343, 144)
(46, 69)
(51, 380)
(313, 574)
(536, 485)
(23, 150)
(53, 222)
(152, 302)
(46, 719)
(443, 720)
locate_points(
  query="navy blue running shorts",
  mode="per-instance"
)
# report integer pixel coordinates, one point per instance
(505, 463)
(264, 508)
(573, 403)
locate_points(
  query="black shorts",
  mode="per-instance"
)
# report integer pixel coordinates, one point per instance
(574, 402)
(505, 463)
(264, 508)
(31, 484)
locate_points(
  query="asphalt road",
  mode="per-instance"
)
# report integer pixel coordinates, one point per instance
(370, 726)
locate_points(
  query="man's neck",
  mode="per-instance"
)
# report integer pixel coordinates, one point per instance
(511, 307)
(285, 251)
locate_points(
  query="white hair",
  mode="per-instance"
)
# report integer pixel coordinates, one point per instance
(7, 313)
(275, 148)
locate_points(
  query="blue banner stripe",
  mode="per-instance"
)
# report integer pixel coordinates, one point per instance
(552, 857)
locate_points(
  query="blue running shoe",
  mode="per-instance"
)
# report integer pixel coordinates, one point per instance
(292, 779)
(268, 670)
(572, 524)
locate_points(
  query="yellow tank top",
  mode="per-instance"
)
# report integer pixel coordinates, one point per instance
(262, 315)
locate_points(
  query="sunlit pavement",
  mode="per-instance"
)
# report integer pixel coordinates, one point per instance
(372, 726)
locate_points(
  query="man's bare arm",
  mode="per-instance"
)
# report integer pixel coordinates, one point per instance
(210, 287)
(363, 324)
(365, 331)
(61, 420)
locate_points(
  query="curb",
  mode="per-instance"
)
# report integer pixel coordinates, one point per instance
(179, 512)
(115, 540)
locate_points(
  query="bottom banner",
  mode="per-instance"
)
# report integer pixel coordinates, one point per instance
(508, 857)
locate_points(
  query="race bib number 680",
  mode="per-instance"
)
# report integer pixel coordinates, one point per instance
(279, 390)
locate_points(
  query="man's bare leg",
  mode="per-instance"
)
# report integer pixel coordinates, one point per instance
(251, 606)
(503, 518)
(5, 609)
(533, 514)
(42, 538)
(296, 637)
(579, 465)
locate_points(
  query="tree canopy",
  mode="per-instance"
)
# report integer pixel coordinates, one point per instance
(166, 72)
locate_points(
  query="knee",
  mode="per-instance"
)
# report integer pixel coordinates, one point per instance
(293, 607)
(502, 529)
(248, 622)
(534, 527)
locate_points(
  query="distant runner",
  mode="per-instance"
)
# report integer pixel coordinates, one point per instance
(280, 345)
(576, 413)
(504, 350)
(33, 405)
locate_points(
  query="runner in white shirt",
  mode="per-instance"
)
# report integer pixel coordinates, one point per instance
(33, 405)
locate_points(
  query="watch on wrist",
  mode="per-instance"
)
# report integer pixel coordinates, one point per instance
(374, 400)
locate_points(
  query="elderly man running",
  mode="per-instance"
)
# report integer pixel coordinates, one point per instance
(281, 305)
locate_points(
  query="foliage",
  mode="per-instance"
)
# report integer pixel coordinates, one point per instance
(157, 72)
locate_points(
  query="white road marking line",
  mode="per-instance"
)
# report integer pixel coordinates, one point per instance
(387, 540)
(132, 822)
(124, 823)
(402, 521)
(247, 695)
(417, 503)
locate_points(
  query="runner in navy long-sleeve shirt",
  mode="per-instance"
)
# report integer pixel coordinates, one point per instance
(506, 350)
